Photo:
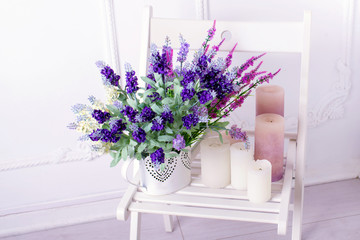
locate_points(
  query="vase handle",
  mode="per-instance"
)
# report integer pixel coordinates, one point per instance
(124, 173)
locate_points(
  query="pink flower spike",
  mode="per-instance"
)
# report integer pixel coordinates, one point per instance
(221, 43)
(258, 66)
(233, 49)
(256, 58)
(207, 47)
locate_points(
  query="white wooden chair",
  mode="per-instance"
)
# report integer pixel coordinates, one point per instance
(197, 200)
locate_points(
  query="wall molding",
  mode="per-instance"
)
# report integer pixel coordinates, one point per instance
(59, 213)
(82, 152)
(331, 105)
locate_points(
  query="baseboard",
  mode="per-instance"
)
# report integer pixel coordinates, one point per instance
(58, 214)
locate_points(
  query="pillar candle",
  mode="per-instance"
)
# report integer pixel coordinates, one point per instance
(240, 160)
(269, 142)
(215, 162)
(269, 99)
(259, 181)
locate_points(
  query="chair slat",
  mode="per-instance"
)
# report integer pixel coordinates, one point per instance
(223, 214)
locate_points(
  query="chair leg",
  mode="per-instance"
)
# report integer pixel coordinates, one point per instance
(135, 226)
(298, 208)
(168, 223)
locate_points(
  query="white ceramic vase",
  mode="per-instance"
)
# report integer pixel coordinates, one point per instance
(154, 181)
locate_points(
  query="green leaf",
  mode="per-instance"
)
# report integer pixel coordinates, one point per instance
(147, 127)
(149, 81)
(114, 110)
(156, 108)
(132, 103)
(112, 154)
(168, 84)
(114, 162)
(168, 130)
(167, 101)
(133, 143)
(220, 136)
(138, 156)
(162, 166)
(220, 125)
(124, 153)
(171, 154)
(161, 92)
(155, 143)
(165, 138)
(130, 151)
(116, 159)
(141, 147)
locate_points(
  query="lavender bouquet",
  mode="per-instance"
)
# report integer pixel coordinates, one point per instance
(174, 109)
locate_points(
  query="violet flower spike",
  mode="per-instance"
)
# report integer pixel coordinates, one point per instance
(179, 142)
(229, 56)
(184, 50)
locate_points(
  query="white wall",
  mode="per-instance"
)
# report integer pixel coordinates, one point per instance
(47, 55)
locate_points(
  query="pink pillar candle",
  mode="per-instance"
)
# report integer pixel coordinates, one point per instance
(269, 99)
(269, 142)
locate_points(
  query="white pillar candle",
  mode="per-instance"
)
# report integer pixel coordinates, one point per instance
(259, 181)
(240, 160)
(215, 162)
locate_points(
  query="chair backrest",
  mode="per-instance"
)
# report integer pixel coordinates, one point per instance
(272, 37)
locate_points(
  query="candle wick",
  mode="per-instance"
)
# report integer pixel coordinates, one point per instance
(260, 169)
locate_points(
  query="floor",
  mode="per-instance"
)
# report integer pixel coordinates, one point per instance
(331, 211)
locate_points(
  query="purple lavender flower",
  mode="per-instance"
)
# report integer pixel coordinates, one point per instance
(78, 108)
(158, 157)
(189, 77)
(179, 142)
(187, 93)
(117, 126)
(106, 135)
(204, 96)
(202, 65)
(237, 134)
(130, 113)
(161, 64)
(147, 114)
(139, 135)
(190, 119)
(131, 80)
(100, 116)
(157, 124)
(72, 126)
(184, 49)
(155, 97)
(167, 115)
(119, 105)
(110, 76)
(202, 114)
(95, 135)
(214, 80)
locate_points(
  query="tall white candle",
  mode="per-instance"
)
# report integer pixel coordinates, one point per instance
(259, 181)
(215, 162)
(240, 160)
